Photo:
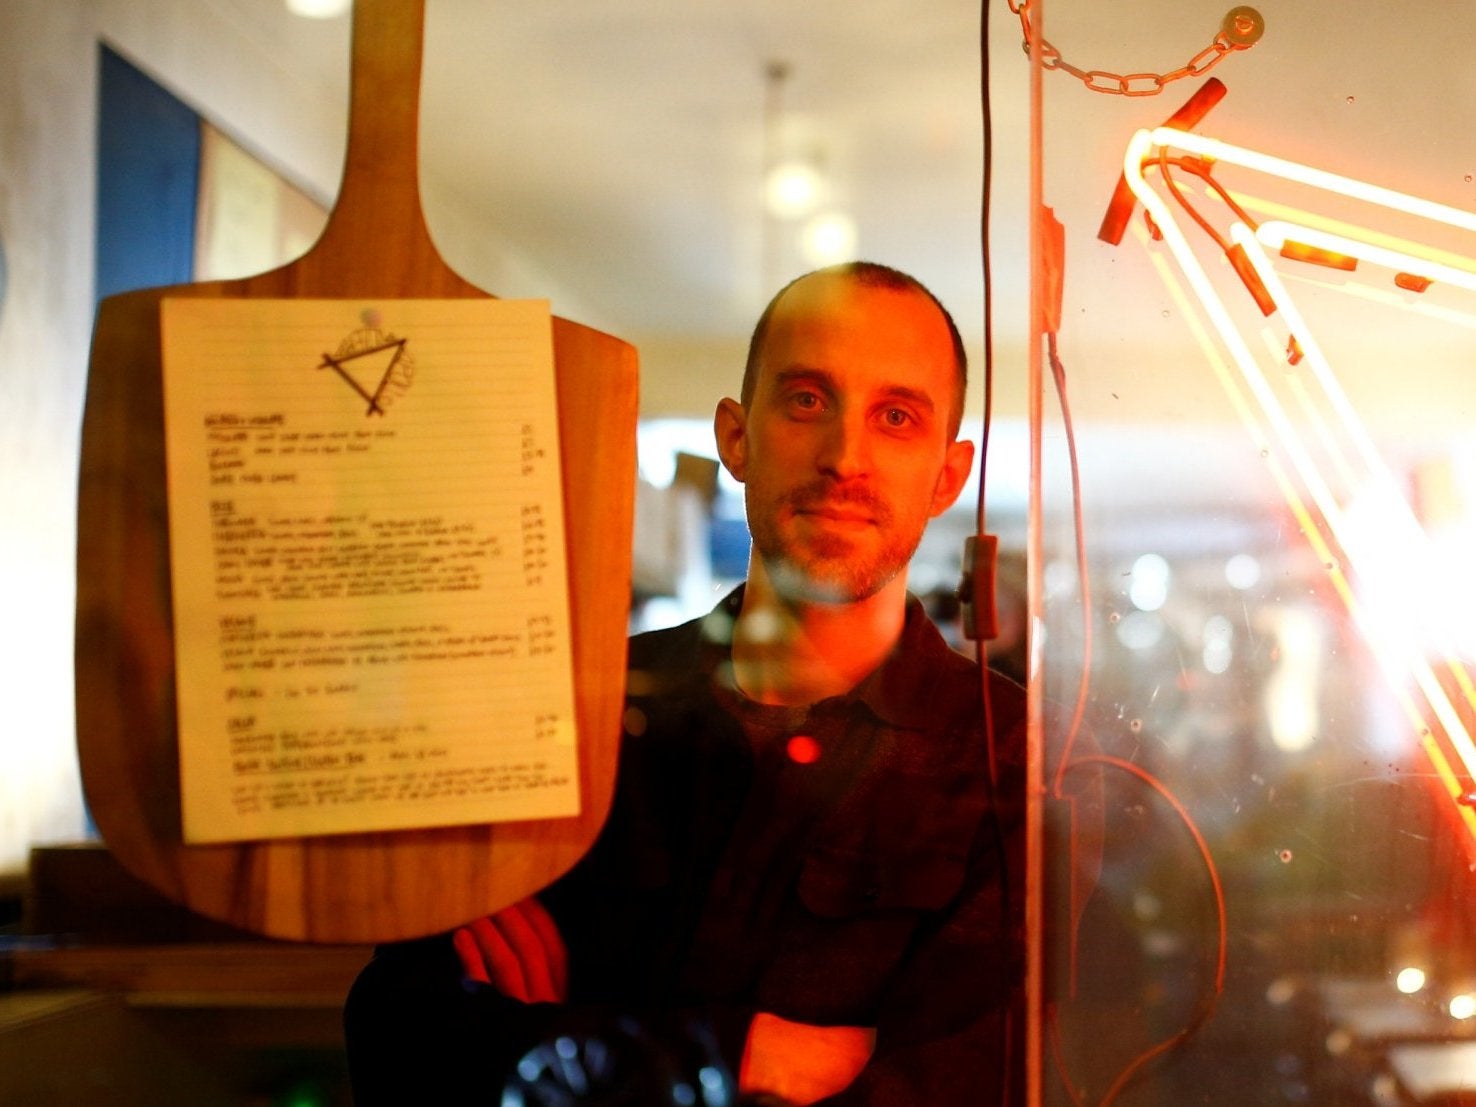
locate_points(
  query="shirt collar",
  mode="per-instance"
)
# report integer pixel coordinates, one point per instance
(901, 692)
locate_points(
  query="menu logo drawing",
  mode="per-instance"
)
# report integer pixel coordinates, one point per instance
(374, 363)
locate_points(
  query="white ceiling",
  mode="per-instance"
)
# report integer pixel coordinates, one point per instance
(618, 144)
(624, 141)
(618, 147)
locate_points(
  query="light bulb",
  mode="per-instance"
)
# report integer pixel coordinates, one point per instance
(829, 238)
(792, 189)
(318, 9)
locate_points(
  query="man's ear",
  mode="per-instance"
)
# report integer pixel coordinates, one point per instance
(957, 462)
(729, 427)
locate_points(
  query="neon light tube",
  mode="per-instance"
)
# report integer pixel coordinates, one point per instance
(1413, 547)
(1400, 664)
(1276, 233)
(1317, 178)
(1311, 348)
(1220, 316)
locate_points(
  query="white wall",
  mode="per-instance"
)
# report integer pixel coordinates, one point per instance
(47, 90)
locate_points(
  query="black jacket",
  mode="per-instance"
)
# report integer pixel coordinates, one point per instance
(851, 879)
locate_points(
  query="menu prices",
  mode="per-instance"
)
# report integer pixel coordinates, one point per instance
(366, 533)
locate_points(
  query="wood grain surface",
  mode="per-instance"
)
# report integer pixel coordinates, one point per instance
(360, 887)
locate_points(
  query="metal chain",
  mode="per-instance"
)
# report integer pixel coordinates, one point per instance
(1241, 29)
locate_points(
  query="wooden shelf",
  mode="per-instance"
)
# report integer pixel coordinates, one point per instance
(243, 974)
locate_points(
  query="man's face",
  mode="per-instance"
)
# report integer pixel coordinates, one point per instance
(846, 448)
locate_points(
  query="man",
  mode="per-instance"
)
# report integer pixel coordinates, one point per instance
(802, 876)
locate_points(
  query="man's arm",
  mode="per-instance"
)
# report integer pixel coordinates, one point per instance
(943, 1033)
(800, 1063)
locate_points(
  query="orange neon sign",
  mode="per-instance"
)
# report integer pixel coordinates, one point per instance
(1320, 453)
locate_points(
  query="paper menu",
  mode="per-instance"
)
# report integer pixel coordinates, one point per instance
(369, 584)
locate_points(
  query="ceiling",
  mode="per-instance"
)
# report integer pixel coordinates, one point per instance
(618, 147)
(626, 141)
(620, 143)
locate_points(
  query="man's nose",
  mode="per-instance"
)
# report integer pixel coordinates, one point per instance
(845, 449)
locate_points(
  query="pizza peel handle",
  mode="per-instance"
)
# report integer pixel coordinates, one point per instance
(357, 887)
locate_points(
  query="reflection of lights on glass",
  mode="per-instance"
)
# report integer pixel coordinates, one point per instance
(1291, 690)
(1410, 980)
(1148, 587)
(1422, 595)
(1242, 571)
(1387, 1091)
(1281, 991)
(1324, 520)
(712, 1080)
(829, 238)
(1219, 644)
(1462, 1006)
(803, 750)
(1140, 630)
(633, 721)
(1060, 579)
(1339, 1041)
(792, 189)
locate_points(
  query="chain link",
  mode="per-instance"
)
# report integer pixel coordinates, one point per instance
(1241, 29)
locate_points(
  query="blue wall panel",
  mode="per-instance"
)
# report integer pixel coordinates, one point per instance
(148, 172)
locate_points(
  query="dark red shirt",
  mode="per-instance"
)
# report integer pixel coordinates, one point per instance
(838, 864)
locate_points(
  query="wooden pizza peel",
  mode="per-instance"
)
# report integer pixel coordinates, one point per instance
(356, 887)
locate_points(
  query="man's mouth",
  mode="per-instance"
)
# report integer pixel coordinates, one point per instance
(840, 507)
(833, 514)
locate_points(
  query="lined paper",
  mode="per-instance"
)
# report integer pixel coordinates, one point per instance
(370, 592)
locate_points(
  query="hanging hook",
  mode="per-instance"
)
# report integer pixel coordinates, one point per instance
(1243, 26)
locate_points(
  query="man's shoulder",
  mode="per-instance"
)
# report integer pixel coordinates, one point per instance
(675, 661)
(956, 682)
(687, 646)
(1007, 699)
(668, 647)
(939, 682)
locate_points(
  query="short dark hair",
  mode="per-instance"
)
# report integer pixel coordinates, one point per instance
(870, 274)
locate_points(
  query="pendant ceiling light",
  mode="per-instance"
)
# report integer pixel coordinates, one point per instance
(318, 9)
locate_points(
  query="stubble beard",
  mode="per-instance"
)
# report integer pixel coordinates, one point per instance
(821, 566)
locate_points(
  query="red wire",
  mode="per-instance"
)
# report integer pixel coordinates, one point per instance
(1068, 761)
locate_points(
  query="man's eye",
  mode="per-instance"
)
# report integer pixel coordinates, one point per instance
(806, 401)
(897, 417)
